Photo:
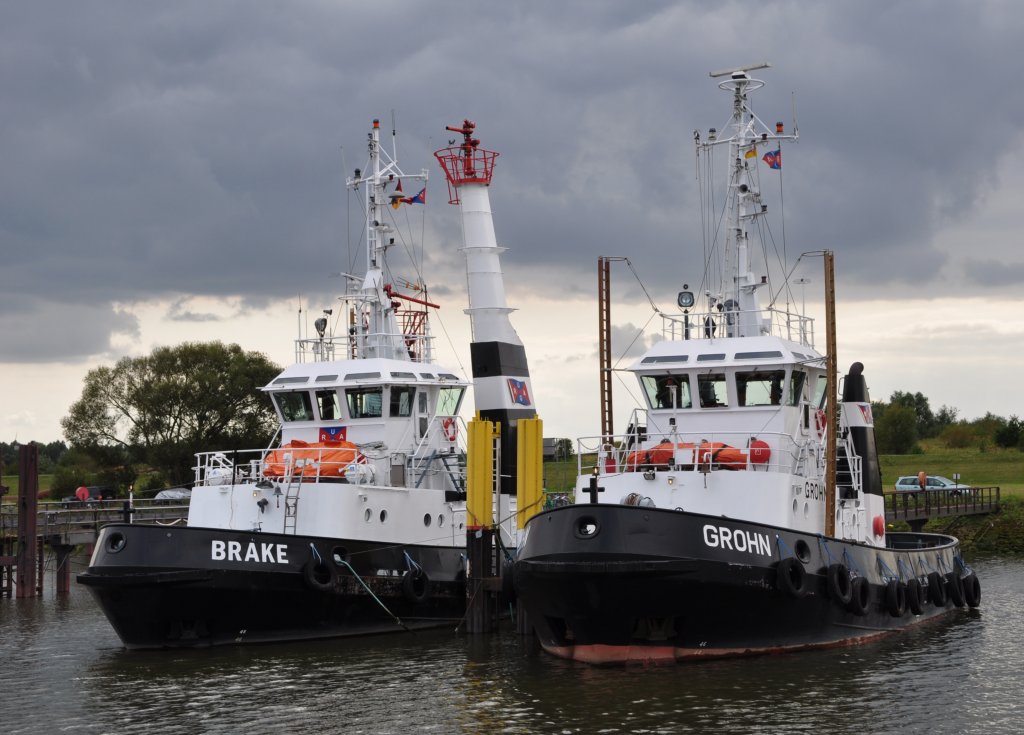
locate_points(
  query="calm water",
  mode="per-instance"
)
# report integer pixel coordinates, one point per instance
(62, 670)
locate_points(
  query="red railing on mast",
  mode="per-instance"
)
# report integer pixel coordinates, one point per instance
(466, 163)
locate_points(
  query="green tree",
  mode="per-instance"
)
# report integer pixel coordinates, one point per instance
(1009, 434)
(163, 408)
(896, 430)
(924, 419)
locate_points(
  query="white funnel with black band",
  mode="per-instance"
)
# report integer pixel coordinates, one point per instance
(501, 376)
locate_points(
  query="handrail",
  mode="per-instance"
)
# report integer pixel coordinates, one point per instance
(942, 502)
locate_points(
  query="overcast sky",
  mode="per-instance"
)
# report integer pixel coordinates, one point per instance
(176, 171)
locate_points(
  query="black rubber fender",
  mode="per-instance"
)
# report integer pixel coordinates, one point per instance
(956, 588)
(860, 596)
(915, 596)
(791, 577)
(936, 589)
(896, 598)
(839, 587)
(972, 590)
(319, 575)
(416, 585)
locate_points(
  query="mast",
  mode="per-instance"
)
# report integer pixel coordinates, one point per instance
(501, 374)
(831, 380)
(748, 140)
(376, 327)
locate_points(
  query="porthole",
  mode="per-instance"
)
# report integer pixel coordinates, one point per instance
(440, 521)
(796, 505)
(383, 516)
(116, 542)
(803, 551)
(426, 520)
(586, 527)
(367, 515)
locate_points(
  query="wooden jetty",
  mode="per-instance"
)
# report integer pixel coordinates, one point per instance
(28, 526)
(916, 508)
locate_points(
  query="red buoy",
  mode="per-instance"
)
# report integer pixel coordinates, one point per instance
(879, 526)
(82, 493)
(760, 452)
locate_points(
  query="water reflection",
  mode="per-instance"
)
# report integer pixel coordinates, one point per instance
(67, 671)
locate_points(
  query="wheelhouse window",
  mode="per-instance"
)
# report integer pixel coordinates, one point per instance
(402, 400)
(294, 406)
(667, 391)
(365, 403)
(796, 387)
(327, 404)
(760, 387)
(448, 400)
(713, 390)
(821, 392)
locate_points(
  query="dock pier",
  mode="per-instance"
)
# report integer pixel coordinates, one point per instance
(916, 508)
(28, 526)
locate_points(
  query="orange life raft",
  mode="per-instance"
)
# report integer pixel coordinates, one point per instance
(662, 455)
(326, 458)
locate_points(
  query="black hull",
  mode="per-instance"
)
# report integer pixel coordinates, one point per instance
(617, 584)
(186, 587)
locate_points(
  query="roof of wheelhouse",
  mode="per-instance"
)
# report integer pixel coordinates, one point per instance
(374, 370)
(737, 351)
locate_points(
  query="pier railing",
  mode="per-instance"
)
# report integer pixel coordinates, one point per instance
(917, 507)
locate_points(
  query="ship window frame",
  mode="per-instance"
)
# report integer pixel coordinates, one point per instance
(658, 392)
(715, 380)
(767, 384)
(664, 358)
(286, 408)
(395, 407)
(363, 376)
(444, 406)
(359, 403)
(335, 404)
(711, 357)
(291, 380)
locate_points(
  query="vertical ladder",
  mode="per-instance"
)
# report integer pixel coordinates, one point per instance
(291, 497)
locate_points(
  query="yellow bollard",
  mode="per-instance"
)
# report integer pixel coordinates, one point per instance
(529, 470)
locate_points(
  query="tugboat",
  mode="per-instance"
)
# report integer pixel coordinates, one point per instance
(742, 510)
(353, 521)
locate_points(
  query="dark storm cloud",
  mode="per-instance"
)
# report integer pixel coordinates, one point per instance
(201, 148)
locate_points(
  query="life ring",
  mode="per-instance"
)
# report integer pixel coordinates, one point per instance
(936, 589)
(972, 590)
(416, 585)
(791, 577)
(450, 428)
(839, 587)
(319, 575)
(820, 421)
(956, 588)
(860, 596)
(896, 598)
(915, 596)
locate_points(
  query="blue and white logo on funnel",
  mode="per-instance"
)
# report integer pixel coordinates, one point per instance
(519, 391)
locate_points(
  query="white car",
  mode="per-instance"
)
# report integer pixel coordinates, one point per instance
(912, 484)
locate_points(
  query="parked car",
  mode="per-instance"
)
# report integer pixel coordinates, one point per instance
(173, 496)
(87, 495)
(912, 484)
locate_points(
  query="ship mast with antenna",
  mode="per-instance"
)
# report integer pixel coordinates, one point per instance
(748, 140)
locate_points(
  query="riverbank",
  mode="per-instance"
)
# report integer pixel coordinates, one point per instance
(996, 534)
